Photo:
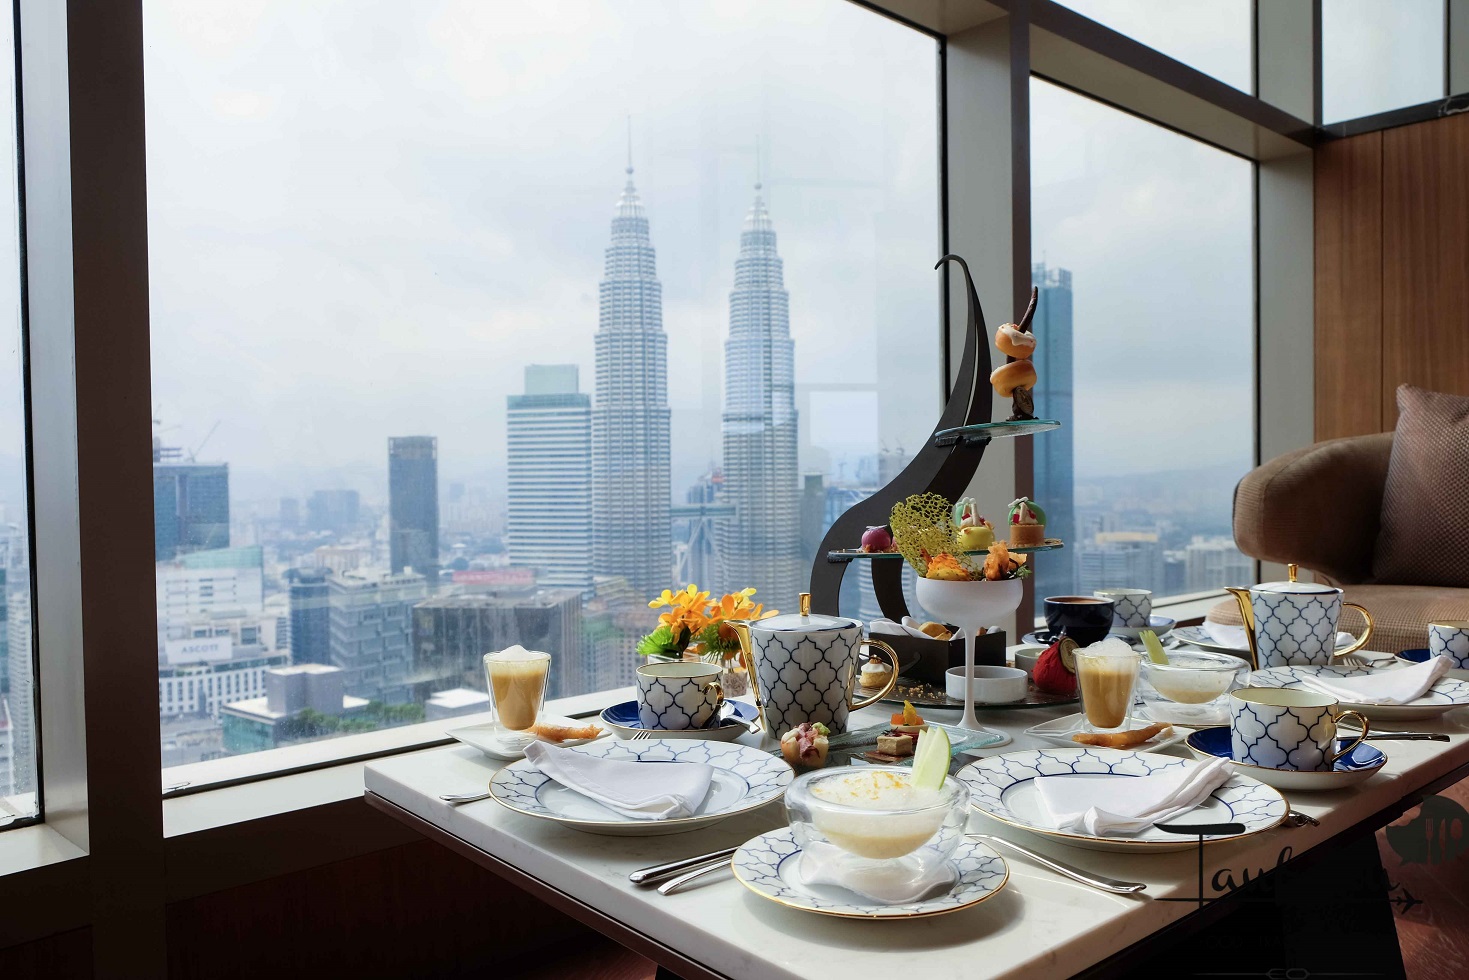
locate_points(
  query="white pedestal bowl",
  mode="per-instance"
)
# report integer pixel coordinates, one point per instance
(969, 606)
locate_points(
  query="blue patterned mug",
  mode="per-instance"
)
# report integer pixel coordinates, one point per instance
(1293, 624)
(1450, 638)
(678, 695)
(1287, 728)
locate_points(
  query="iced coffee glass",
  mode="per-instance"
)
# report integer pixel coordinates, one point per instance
(1106, 675)
(517, 682)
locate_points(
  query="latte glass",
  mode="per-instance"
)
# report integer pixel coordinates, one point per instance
(1106, 676)
(517, 682)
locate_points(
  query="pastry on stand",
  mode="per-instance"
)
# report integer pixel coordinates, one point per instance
(1027, 524)
(1015, 379)
(974, 532)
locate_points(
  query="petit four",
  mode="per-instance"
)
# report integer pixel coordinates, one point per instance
(1120, 740)
(805, 745)
(1027, 524)
(925, 534)
(899, 745)
(974, 532)
(874, 673)
(877, 540)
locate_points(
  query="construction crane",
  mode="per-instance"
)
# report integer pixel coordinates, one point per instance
(194, 453)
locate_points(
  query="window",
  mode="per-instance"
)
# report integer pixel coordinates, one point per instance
(1144, 256)
(1214, 36)
(1380, 56)
(450, 354)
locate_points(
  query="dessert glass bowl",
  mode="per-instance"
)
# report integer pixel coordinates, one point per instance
(1192, 676)
(873, 813)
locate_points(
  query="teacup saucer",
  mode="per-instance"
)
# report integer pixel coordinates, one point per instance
(623, 719)
(1356, 766)
(1421, 654)
(1158, 624)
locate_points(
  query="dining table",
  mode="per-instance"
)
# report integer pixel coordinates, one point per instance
(1039, 924)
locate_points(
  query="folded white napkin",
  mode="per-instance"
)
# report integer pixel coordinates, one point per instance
(888, 882)
(1383, 686)
(1106, 806)
(1234, 636)
(908, 627)
(643, 790)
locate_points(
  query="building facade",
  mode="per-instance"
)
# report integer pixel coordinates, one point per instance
(413, 506)
(333, 510)
(549, 477)
(191, 508)
(1055, 479)
(632, 531)
(221, 582)
(311, 621)
(452, 634)
(371, 624)
(22, 696)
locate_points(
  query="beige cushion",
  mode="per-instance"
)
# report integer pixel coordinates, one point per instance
(1424, 536)
(1400, 613)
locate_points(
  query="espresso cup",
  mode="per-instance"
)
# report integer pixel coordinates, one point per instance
(1084, 618)
(1280, 728)
(1450, 639)
(1131, 607)
(678, 695)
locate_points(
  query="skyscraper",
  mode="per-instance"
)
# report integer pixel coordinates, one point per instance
(1055, 482)
(311, 630)
(632, 532)
(22, 696)
(761, 545)
(549, 463)
(191, 508)
(413, 506)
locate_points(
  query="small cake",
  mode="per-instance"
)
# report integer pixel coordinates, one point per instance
(973, 532)
(1027, 524)
(908, 721)
(895, 745)
(874, 674)
(877, 540)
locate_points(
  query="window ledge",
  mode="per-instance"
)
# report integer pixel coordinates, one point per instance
(37, 846)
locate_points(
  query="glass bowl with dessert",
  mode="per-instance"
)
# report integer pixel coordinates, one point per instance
(1193, 676)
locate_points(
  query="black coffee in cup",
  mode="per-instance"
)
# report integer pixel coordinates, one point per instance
(1086, 619)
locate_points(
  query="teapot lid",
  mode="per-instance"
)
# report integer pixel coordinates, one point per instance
(806, 621)
(1292, 587)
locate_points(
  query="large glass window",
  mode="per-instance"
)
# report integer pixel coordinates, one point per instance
(481, 324)
(1214, 36)
(1144, 258)
(1379, 56)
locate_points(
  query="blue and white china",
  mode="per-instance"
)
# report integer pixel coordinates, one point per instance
(1130, 607)
(1357, 762)
(1282, 728)
(1003, 787)
(1419, 655)
(490, 738)
(1450, 638)
(678, 695)
(1160, 625)
(1289, 624)
(744, 778)
(1446, 694)
(623, 720)
(1199, 636)
(805, 668)
(768, 866)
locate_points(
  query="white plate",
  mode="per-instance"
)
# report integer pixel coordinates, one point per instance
(1199, 637)
(744, 778)
(1003, 787)
(1158, 624)
(1159, 708)
(1060, 730)
(1358, 765)
(497, 743)
(768, 864)
(1446, 694)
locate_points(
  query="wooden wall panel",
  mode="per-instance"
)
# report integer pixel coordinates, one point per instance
(1425, 236)
(65, 956)
(1349, 262)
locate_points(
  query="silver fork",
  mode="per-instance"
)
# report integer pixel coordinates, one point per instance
(459, 799)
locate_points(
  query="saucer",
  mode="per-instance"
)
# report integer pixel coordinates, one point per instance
(768, 864)
(1044, 638)
(1158, 624)
(1356, 766)
(1421, 654)
(1446, 694)
(623, 719)
(492, 741)
(1060, 730)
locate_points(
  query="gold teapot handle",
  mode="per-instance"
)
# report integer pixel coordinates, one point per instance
(1361, 640)
(892, 678)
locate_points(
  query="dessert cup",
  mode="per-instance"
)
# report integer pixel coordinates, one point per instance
(969, 606)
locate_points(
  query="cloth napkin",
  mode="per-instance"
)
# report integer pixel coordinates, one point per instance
(1234, 636)
(642, 790)
(1107, 806)
(1382, 686)
(908, 627)
(888, 882)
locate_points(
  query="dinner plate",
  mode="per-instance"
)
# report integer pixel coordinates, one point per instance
(1043, 638)
(1200, 637)
(623, 719)
(1446, 694)
(744, 778)
(1357, 765)
(492, 741)
(1060, 730)
(1160, 625)
(1003, 787)
(768, 866)
(932, 696)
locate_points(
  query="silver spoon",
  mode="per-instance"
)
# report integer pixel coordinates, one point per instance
(1060, 867)
(456, 799)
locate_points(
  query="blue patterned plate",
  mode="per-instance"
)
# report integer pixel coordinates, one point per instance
(744, 778)
(1003, 787)
(1200, 637)
(1420, 655)
(1446, 694)
(1357, 765)
(623, 719)
(767, 866)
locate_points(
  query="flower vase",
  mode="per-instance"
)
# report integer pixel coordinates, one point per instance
(733, 677)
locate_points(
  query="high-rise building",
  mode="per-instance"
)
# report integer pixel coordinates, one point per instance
(371, 627)
(761, 545)
(1055, 480)
(1119, 560)
(311, 631)
(1213, 563)
(333, 510)
(452, 634)
(413, 506)
(549, 470)
(191, 508)
(204, 584)
(632, 531)
(22, 696)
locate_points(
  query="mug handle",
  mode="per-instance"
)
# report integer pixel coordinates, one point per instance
(892, 680)
(718, 694)
(1361, 640)
(1362, 720)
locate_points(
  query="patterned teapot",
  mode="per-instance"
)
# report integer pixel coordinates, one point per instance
(805, 667)
(1293, 624)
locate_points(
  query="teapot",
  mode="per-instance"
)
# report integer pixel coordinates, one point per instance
(1292, 624)
(804, 667)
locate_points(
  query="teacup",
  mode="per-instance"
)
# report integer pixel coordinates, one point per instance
(1131, 607)
(1450, 638)
(678, 695)
(1084, 618)
(1280, 728)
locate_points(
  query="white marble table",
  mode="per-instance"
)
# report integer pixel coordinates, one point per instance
(1041, 924)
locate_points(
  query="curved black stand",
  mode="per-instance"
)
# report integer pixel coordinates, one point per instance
(945, 470)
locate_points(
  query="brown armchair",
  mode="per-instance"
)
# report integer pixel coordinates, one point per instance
(1319, 507)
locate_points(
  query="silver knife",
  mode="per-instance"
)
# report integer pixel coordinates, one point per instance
(658, 872)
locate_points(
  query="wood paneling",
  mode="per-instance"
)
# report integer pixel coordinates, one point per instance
(1349, 287)
(1425, 237)
(64, 956)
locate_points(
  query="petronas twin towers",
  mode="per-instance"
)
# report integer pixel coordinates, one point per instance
(631, 445)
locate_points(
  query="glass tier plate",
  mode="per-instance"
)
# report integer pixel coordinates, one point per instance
(848, 554)
(985, 431)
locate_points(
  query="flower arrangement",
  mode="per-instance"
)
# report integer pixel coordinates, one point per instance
(693, 619)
